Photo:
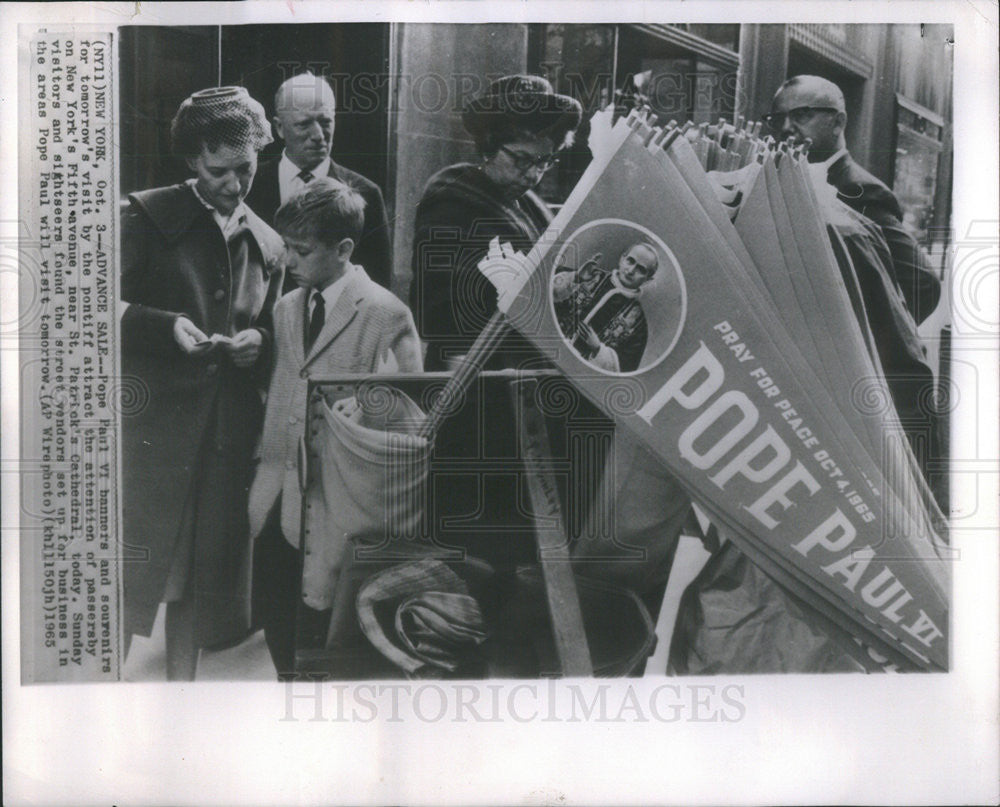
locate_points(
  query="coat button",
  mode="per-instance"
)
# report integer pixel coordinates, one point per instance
(293, 420)
(212, 369)
(290, 464)
(220, 295)
(304, 374)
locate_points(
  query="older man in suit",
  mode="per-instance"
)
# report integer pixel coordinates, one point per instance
(897, 286)
(812, 107)
(305, 109)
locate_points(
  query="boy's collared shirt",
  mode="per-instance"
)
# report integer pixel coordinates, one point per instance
(331, 293)
(289, 181)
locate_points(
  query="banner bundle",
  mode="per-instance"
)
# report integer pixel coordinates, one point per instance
(690, 286)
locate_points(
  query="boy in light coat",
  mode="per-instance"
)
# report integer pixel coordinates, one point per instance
(338, 321)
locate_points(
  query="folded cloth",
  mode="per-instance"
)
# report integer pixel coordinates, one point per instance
(372, 471)
(734, 620)
(433, 624)
(436, 624)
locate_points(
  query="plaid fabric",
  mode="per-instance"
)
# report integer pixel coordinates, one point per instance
(435, 621)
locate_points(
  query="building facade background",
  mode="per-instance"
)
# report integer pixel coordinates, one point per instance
(401, 88)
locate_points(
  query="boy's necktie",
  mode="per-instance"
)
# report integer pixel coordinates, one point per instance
(316, 320)
(306, 177)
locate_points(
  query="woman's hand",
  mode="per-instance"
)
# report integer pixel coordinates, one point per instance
(245, 347)
(189, 337)
(600, 140)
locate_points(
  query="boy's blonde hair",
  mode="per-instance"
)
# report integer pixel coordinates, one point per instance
(326, 210)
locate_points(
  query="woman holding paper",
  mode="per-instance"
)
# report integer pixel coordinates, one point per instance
(519, 126)
(200, 272)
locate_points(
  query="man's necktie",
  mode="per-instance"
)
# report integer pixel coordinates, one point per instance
(306, 177)
(316, 320)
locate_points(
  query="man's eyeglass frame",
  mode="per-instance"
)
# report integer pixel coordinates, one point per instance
(799, 115)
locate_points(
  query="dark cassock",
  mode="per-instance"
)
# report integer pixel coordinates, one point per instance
(614, 312)
(869, 196)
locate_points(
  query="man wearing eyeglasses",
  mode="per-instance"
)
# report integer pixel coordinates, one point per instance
(812, 108)
(893, 276)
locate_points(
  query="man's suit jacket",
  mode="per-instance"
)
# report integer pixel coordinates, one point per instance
(367, 330)
(868, 195)
(373, 251)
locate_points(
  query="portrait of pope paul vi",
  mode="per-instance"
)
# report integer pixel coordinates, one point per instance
(600, 309)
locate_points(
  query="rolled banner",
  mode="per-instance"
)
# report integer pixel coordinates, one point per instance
(733, 393)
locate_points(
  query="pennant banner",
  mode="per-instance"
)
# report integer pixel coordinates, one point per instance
(733, 352)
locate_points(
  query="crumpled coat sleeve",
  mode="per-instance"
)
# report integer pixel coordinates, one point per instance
(145, 326)
(910, 266)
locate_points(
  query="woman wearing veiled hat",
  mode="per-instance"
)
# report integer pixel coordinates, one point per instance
(519, 126)
(200, 272)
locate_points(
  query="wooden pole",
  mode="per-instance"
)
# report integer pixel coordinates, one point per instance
(550, 533)
(473, 362)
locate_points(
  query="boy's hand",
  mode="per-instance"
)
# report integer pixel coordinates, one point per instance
(245, 347)
(189, 337)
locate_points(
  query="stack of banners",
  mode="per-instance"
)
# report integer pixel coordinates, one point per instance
(733, 351)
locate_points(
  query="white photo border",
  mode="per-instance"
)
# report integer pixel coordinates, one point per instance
(792, 739)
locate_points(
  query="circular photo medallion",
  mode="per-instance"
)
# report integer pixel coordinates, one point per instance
(618, 296)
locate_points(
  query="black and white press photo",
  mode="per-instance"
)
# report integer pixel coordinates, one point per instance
(401, 372)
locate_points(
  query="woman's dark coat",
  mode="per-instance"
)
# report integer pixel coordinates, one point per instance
(190, 424)
(460, 212)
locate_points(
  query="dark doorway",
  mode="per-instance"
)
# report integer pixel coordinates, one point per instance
(353, 57)
(161, 66)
